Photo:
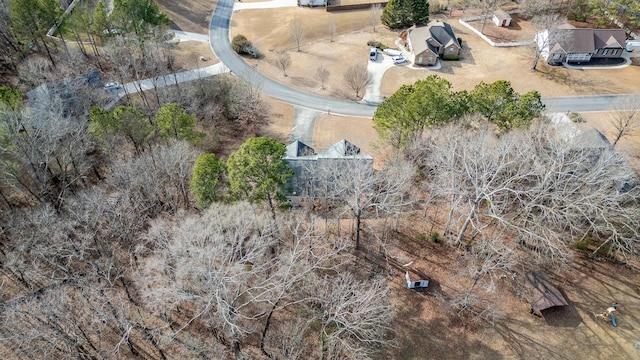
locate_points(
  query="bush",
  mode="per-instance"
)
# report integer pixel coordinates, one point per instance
(450, 57)
(576, 118)
(377, 44)
(434, 237)
(241, 45)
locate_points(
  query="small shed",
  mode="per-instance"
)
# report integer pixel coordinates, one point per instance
(542, 293)
(501, 18)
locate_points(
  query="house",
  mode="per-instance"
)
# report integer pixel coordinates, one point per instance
(309, 167)
(311, 3)
(431, 42)
(501, 18)
(73, 96)
(567, 44)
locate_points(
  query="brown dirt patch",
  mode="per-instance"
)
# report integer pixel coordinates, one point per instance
(627, 145)
(282, 115)
(425, 324)
(329, 129)
(519, 30)
(191, 16)
(272, 36)
(187, 55)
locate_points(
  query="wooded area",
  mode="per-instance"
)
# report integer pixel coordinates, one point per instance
(159, 227)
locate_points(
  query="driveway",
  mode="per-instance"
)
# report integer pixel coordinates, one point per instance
(376, 70)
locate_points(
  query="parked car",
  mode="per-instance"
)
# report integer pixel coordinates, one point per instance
(399, 59)
(112, 86)
(373, 54)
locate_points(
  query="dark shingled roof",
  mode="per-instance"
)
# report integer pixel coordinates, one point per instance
(298, 148)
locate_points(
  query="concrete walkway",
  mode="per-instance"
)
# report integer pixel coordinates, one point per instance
(303, 125)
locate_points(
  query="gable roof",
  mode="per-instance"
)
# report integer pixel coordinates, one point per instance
(586, 40)
(70, 91)
(298, 148)
(436, 30)
(501, 14)
(342, 148)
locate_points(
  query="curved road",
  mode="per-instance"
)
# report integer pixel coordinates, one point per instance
(221, 46)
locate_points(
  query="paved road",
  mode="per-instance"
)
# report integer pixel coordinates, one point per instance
(590, 103)
(220, 44)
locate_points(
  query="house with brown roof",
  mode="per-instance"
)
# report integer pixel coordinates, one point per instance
(431, 42)
(568, 44)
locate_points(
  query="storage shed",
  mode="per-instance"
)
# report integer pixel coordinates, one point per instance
(501, 18)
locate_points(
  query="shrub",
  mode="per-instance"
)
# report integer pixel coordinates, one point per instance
(576, 118)
(240, 44)
(434, 237)
(377, 44)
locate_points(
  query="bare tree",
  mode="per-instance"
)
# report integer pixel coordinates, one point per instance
(322, 74)
(532, 186)
(487, 261)
(156, 181)
(365, 193)
(222, 286)
(374, 16)
(488, 6)
(357, 78)
(284, 61)
(297, 33)
(548, 33)
(625, 119)
(354, 319)
(332, 28)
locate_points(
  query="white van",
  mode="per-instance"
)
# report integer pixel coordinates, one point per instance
(373, 54)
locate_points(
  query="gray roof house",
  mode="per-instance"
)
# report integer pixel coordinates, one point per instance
(428, 43)
(73, 95)
(568, 44)
(310, 169)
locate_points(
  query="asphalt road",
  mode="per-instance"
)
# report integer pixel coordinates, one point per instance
(219, 40)
(221, 46)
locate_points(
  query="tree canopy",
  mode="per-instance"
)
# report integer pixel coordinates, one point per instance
(175, 123)
(9, 97)
(403, 116)
(501, 105)
(207, 179)
(257, 171)
(403, 13)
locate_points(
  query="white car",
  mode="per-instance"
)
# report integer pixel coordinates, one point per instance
(112, 86)
(399, 59)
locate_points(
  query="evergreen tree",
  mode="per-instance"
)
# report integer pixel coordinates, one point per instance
(31, 20)
(207, 180)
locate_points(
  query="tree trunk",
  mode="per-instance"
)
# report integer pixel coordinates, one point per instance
(466, 223)
(358, 222)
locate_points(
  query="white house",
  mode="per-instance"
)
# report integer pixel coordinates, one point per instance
(312, 2)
